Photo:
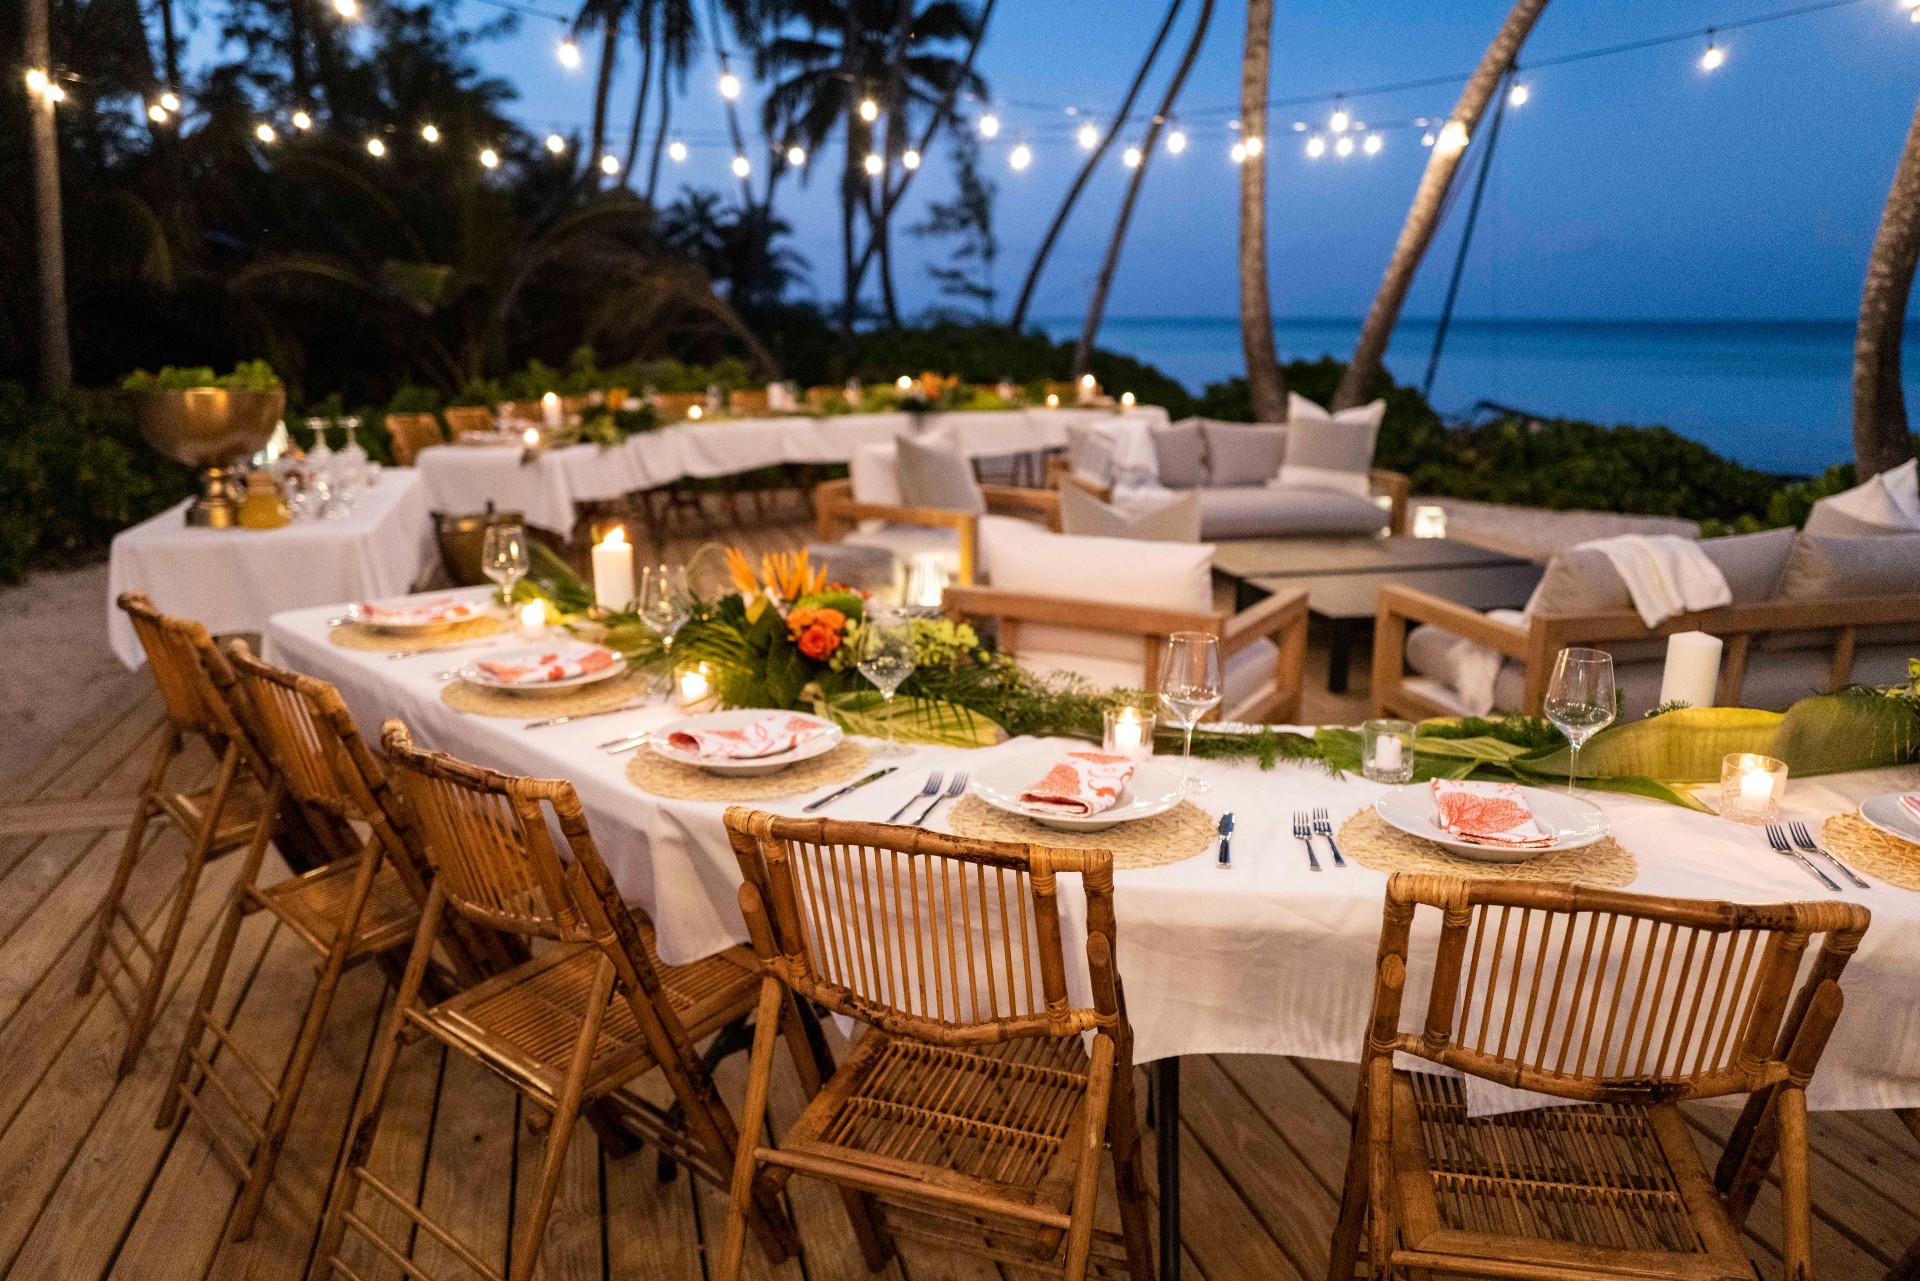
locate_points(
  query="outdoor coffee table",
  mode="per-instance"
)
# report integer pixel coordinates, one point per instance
(1343, 577)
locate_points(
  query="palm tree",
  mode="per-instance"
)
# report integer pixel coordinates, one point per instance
(607, 17)
(1880, 439)
(1423, 219)
(1266, 382)
(679, 38)
(56, 355)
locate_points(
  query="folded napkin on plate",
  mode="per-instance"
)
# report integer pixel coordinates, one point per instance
(452, 609)
(1488, 814)
(548, 667)
(768, 736)
(1912, 805)
(1080, 785)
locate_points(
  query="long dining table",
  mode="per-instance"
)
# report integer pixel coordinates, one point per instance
(1265, 956)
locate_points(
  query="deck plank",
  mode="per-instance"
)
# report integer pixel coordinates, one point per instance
(467, 1190)
(571, 1250)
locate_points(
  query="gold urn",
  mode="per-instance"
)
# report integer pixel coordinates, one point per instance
(211, 428)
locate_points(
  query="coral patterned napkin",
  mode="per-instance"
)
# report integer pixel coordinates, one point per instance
(1912, 805)
(767, 736)
(1488, 814)
(450, 609)
(1080, 785)
(549, 666)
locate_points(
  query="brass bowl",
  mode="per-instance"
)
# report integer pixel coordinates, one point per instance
(460, 537)
(209, 426)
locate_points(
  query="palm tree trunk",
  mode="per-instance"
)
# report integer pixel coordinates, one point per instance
(660, 134)
(639, 102)
(849, 199)
(1039, 263)
(297, 52)
(602, 89)
(169, 45)
(1423, 219)
(877, 236)
(1880, 439)
(1266, 381)
(1096, 308)
(56, 355)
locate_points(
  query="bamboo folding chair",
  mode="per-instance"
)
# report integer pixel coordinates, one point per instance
(972, 1112)
(592, 1011)
(462, 419)
(1625, 1005)
(194, 680)
(411, 433)
(364, 902)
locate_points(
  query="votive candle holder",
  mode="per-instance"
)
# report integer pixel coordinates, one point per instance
(1752, 787)
(1386, 751)
(1127, 730)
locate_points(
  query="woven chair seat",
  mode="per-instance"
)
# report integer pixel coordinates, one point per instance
(316, 903)
(245, 802)
(1602, 1188)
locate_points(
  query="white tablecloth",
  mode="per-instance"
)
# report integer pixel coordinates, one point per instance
(233, 580)
(1264, 957)
(545, 487)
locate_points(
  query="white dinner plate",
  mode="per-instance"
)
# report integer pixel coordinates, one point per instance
(1154, 789)
(412, 616)
(818, 745)
(1886, 813)
(562, 650)
(1571, 821)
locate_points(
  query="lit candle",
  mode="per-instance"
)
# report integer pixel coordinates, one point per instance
(1693, 669)
(533, 617)
(1429, 522)
(530, 438)
(1756, 788)
(1127, 730)
(1386, 754)
(696, 685)
(550, 410)
(613, 570)
(1053, 400)
(1126, 400)
(693, 411)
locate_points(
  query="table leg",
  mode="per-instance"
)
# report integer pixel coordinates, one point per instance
(1166, 1138)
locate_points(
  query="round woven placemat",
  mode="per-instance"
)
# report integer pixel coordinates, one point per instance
(601, 696)
(1865, 848)
(651, 772)
(354, 636)
(1172, 837)
(1370, 841)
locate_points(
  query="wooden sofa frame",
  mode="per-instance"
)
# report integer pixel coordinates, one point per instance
(1540, 640)
(1281, 618)
(836, 513)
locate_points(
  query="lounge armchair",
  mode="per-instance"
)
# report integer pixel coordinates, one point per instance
(910, 530)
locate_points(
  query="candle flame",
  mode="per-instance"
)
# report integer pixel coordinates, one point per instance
(616, 537)
(530, 437)
(533, 614)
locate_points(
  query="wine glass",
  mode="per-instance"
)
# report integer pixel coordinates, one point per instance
(1580, 699)
(664, 602)
(885, 657)
(1189, 688)
(503, 556)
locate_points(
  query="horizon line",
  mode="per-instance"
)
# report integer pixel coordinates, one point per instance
(1467, 320)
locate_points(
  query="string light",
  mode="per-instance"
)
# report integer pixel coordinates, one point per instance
(869, 110)
(1131, 157)
(376, 148)
(989, 126)
(741, 167)
(796, 156)
(1238, 153)
(264, 132)
(1253, 145)
(301, 120)
(1341, 120)
(1518, 96)
(874, 164)
(569, 54)
(157, 114)
(910, 159)
(348, 9)
(1316, 147)
(1715, 55)
(489, 158)
(609, 164)
(556, 144)
(430, 133)
(170, 102)
(1453, 137)
(1344, 147)
(1373, 144)
(1020, 157)
(1176, 142)
(1426, 139)
(677, 152)
(1089, 137)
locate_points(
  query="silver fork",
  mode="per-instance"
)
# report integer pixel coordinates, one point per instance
(930, 788)
(1777, 838)
(1804, 839)
(1323, 826)
(1303, 828)
(955, 790)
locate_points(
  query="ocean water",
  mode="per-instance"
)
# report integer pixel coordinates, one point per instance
(1772, 394)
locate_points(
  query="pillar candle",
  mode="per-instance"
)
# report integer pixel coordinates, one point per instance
(1693, 669)
(613, 570)
(550, 410)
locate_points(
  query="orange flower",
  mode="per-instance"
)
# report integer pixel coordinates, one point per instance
(800, 619)
(829, 617)
(788, 576)
(818, 643)
(741, 573)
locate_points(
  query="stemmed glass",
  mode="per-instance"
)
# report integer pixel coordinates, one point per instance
(503, 556)
(1580, 699)
(663, 603)
(1189, 688)
(885, 657)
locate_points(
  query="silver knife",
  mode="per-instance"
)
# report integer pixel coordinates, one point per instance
(854, 786)
(1226, 839)
(625, 743)
(450, 648)
(581, 716)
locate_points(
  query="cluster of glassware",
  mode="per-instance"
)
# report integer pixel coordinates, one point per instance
(325, 483)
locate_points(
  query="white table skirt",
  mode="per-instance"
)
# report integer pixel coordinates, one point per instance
(233, 580)
(1264, 957)
(545, 487)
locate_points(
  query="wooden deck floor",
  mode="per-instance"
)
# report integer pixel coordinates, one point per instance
(89, 1188)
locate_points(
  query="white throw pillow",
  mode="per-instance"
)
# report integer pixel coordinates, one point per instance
(1889, 503)
(1174, 521)
(1330, 451)
(875, 476)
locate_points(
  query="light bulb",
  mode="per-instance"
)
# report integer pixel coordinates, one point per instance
(910, 159)
(1131, 157)
(873, 165)
(609, 165)
(376, 148)
(55, 93)
(1316, 147)
(741, 167)
(301, 120)
(730, 86)
(1239, 153)
(157, 114)
(1340, 121)
(348, 9)
(1453, 137)
(430, 133)
(1518, 95)
(796, 156)
(569, 54)
(1253, 145)
(1176, 142)
(1021, 156)
(869, 110)
(556, 144)
(1914, 16)
(677, 152)
(170, 102)
(1426, 139)
(36, 81)
(1089, 137)
(264, 133)
(489, 158)
(989, 126)
(1715, 55)
(1373, 144)
(1344, 147)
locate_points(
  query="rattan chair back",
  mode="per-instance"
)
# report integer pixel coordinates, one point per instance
(187, 667)
(1604, 996)
(466, 418)
(410, 433)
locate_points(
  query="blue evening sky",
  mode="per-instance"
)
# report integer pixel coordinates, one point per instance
(1629, 186)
